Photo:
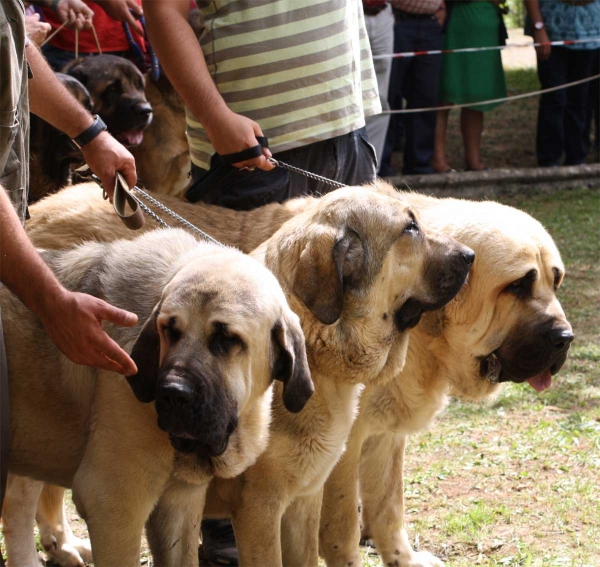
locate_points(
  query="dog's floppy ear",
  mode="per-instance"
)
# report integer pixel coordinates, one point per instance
(77, 70)
(326, 265)
(289, 364)
(145, 354)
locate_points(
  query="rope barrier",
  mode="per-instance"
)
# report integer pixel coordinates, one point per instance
(489, 48)
(481, 103)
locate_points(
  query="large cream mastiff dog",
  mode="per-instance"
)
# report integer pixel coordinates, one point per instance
(506, 325)
(360, 269)
(215, 330)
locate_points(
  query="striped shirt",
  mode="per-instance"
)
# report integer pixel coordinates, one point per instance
(302, 70)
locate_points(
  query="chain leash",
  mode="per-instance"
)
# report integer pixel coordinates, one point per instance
(309, 174)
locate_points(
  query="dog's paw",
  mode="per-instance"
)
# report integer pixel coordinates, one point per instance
(74, 553)
(423, 559)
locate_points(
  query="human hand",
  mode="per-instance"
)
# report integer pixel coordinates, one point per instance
(543, 51)
(76, 13)
(120, 10)
(36, 30)
(231, 133)
(440, 14)
(73, 322)
(106, 156)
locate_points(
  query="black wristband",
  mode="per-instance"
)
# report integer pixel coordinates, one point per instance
(88, 135)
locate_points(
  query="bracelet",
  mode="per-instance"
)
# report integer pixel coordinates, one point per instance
(90, 133)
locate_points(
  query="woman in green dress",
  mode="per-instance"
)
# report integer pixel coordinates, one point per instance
(470, 77)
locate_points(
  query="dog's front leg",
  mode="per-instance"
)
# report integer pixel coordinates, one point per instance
(173, 527)
(18, 518)
(339, 532)
(61, 546)
(256, 515)
(300, 531)
(382, 495)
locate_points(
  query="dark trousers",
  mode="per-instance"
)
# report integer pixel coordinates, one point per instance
(415, 79)
(563, 115)
(349, 159)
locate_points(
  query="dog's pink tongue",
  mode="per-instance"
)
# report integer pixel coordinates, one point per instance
(542, 381)
(133, 137)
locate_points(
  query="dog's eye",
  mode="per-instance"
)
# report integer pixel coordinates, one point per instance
(222, 341)
(557, 278)
(522, 287)
(412, 228)
(171, 330)
(114, 87)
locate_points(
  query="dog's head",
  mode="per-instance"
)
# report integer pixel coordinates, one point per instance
(507, 324)
(220, 334)
(360, 269)
(117, 90)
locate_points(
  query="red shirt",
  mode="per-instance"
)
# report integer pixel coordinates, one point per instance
(110, 32)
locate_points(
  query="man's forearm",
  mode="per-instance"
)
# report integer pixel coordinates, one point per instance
(22, 269)
(50, 100)
(533, 10)
(182, 59)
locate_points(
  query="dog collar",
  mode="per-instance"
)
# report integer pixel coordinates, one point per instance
(88, 135)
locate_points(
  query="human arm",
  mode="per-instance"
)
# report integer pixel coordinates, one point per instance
(539, 36)
(72, 320)
(441, 13)
(49, 99)
(183, 61)
(120, 10)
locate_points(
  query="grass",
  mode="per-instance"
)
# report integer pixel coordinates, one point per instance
(509, 130)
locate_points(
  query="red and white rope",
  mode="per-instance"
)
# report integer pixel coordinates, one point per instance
(489, 48)
(495, 100)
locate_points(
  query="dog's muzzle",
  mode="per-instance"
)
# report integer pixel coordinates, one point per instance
(195, 412)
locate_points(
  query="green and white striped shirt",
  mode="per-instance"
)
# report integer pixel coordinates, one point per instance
(302, 69)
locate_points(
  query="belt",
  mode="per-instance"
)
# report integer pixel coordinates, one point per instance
(411, 16)
(374, 10)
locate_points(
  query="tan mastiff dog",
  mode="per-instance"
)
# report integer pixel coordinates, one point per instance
(215, 330)
(360, 270)
(506, 325)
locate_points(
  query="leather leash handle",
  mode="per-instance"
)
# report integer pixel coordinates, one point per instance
(248, 153)
(123, 197)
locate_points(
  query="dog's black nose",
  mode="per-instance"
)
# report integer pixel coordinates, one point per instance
(176, 393)
(143, 109)
(561, 338)
(469, 257)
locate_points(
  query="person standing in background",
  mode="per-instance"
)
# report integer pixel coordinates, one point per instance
(563, 117)
(470, 77)
(379, 21)
(418, 27)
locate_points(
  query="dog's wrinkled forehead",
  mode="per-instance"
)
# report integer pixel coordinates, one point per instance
(372, 214)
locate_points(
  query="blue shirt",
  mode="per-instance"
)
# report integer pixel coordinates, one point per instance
(567, 21)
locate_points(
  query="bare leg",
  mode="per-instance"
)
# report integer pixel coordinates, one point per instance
(439, 162)
(471, 126)
(382, 495)
(18, 519)
(300, 531)
(61, 546)
(174, 525)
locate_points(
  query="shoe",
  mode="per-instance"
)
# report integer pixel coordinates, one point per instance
(218, 544)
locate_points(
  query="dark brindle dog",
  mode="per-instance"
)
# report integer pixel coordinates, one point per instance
(117, 90)
(52, 157)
